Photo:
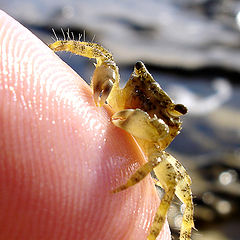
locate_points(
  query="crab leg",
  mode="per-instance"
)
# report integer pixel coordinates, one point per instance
(141, 173)
(85, 49)
(183, 192)
(161, 213)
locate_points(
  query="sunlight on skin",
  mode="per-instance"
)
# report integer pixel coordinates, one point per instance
(60, 155)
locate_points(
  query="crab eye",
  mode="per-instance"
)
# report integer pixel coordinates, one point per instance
(180, 108)
(177, 110)
(139, 65)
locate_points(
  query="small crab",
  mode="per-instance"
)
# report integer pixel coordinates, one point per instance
(144, 110)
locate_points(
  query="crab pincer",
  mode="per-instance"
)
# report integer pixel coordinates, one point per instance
(140, 124)
(102, 83)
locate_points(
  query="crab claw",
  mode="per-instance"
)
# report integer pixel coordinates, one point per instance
(140, 124)
(102, 83)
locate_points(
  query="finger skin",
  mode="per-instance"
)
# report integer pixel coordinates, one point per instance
(60, 155)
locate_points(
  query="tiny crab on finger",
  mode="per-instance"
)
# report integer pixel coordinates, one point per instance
(144, 110)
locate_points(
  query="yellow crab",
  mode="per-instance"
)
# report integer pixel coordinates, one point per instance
(144, 110)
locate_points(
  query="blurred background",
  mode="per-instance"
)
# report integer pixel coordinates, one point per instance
(192, 48)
